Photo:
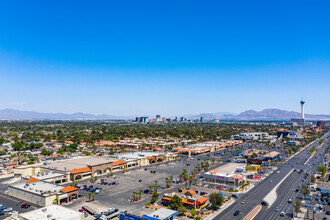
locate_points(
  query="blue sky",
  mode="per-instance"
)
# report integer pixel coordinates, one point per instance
(164, 57)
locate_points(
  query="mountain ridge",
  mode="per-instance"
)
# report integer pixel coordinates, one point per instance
(266, 115)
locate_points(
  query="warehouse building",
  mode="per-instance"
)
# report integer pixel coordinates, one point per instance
(42, 193)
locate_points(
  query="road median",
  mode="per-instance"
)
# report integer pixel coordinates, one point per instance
(253, 213)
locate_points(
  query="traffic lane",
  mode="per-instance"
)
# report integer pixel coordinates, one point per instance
(288, 209)
(230, 210)
(258, 196)
(285, 192)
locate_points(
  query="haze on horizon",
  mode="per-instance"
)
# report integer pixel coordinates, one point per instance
(170, 58)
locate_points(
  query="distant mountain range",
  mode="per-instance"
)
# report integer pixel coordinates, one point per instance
(12, 114)
(264, 115)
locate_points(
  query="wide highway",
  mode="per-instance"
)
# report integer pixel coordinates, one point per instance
(255, 196)
(286, 190)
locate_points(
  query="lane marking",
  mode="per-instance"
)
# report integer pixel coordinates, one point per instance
(272, 195)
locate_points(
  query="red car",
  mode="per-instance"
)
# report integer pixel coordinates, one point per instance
(25, 205)
(81, 210)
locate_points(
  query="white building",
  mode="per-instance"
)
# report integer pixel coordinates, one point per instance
(52, 212)
(42, 193)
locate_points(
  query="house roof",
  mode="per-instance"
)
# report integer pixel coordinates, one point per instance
(118, 162)
(69, 189)
(185, 201)
(167, 198)
(192, 192)
(272, 154)
(81, 170)
(201, 200)
(32, 179)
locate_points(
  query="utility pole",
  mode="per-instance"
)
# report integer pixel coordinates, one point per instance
(310, 176)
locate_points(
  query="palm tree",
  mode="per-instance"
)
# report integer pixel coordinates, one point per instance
(55, 201)
(140, 194)
(171, 179)
(89, 196)
(156, 188)
(93, 196)
(185, 177)
(167, 180)
(191, 178)
(181, 177)
(150, 189)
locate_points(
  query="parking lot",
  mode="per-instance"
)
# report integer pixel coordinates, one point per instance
(118, 195)
(15, 204)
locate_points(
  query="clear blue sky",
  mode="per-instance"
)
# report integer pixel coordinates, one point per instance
(167, 57)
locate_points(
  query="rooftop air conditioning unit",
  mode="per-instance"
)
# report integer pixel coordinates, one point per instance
(49, 215)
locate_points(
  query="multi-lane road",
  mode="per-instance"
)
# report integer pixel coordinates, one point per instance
(285, 191)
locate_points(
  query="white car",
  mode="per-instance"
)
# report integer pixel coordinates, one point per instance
(243, 202)
(97, 191)
(9, 209)
(13, 212)
(282, 214)
(277, 209)
(278, 171)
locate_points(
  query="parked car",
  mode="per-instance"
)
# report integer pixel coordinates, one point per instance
(2, 213)
(81, 210)
(140, 181)
(8, 209)
(25, 205)
(234, 196)
(12, 212)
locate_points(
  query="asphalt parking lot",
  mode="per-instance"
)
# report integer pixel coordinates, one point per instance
(14, 203)
(118, 196)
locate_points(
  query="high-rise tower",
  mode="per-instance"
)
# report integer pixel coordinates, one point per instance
(302, 102)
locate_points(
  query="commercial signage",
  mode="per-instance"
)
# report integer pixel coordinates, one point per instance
(254, 161)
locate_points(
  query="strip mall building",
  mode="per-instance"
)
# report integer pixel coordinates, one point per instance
(85, 167)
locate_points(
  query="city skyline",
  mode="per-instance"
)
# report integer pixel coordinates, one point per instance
(150, 58)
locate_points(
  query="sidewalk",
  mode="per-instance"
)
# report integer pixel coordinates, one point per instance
(221, 209)
(301, 215)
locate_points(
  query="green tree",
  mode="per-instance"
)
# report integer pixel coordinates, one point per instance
(193, 212)
(312, 150)
(89, 196)
(297, 205)
(181, 210)
(323, 170)
(154, 197)
(176, 202)
(216, 200)
(313, 179)
(304, 189)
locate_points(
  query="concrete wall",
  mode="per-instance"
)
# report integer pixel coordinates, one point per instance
(31, 197)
